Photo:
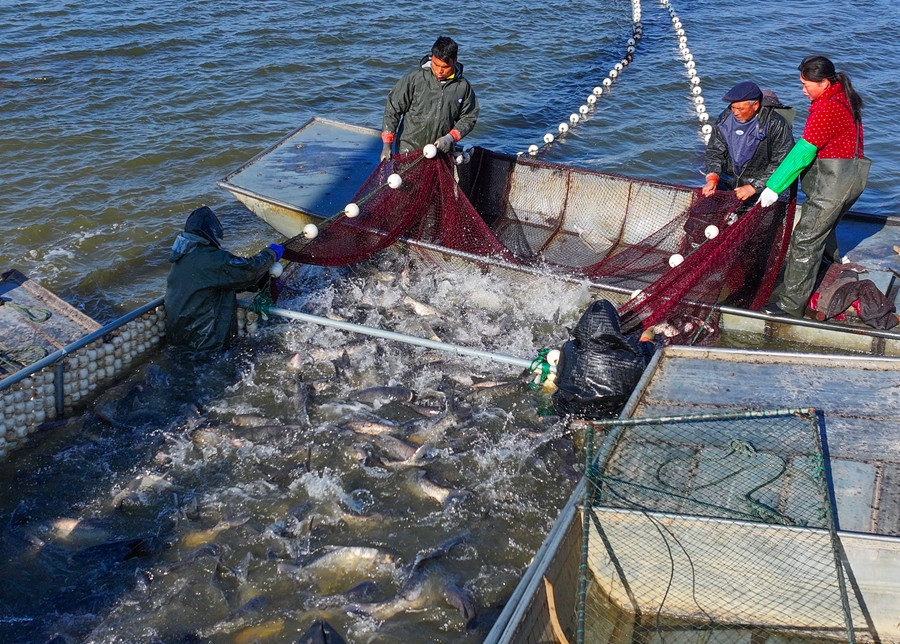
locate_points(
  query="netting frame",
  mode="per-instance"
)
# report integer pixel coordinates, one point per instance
(597, 461)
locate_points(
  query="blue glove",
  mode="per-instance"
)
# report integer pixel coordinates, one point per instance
(279, 251)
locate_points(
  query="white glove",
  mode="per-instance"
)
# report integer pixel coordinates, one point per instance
(445, 143)
(767, 198)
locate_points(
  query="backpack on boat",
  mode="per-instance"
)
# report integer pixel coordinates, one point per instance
(600, 367)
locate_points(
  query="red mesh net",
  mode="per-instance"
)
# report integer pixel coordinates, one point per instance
(428, 206)
(738, 266)
(532, 217)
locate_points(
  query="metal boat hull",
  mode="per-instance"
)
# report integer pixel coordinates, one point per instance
(315, 171)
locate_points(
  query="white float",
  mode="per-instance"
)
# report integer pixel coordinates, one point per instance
(395, 181)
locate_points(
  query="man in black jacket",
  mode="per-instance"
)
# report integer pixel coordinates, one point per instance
(746, 144)
(431, 104)
(202, 287)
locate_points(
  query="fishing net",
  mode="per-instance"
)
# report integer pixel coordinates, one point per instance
(428, 206)
(528, 219)
(713, 528)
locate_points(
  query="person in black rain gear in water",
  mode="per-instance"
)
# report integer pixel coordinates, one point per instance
(202, 287)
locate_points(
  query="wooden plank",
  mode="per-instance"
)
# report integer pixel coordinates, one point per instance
(558, 632)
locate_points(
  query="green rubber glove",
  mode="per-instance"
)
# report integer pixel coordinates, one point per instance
(800, 156)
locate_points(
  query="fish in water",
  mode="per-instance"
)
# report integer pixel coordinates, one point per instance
(368, 519)
(201, 537)
(405, 454)
(427, 584)
(423, 410)
(239, 572)
(371, 427)
(295, 362)
(300, 401)
(237, 618)
(256, 634)
(382, 394)
(134, 494)
(420, 308)
(251, 420)
(429, 331)
(121, 549)
(361, 592)
(267, 433)
(361, 559)
(304, 464)
(494, 384)
(429, 488)
(76, 533)
(394, 447)
(324, 354)
(208, 550)
(321, 632)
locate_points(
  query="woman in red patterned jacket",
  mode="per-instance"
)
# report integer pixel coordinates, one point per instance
(834, 172)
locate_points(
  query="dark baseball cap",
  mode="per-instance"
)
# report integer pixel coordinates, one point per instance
(746, 91)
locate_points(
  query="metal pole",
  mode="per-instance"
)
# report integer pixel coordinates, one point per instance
(391, 335)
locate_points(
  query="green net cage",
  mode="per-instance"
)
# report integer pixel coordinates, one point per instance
(713, 528)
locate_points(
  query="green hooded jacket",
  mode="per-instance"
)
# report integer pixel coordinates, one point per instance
(202, 287)
(429, 109)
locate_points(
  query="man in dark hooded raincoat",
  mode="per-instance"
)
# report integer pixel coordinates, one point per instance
(202, 287)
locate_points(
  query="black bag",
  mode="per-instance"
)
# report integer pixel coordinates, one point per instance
(599, 368)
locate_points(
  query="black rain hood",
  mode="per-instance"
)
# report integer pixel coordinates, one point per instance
(201, 228)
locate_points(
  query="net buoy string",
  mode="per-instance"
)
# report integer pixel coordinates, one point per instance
(588, 107)
(690, 70)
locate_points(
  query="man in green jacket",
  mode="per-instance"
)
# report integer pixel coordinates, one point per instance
(431, 104)
(202, 287)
